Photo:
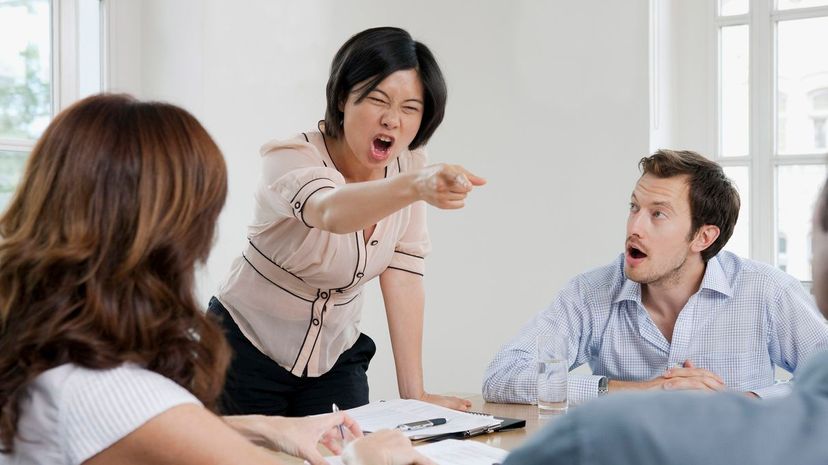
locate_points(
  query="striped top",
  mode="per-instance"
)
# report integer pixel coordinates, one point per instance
(70, 414)
(295, 292)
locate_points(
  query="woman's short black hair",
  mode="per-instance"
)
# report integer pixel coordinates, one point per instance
(372, 55)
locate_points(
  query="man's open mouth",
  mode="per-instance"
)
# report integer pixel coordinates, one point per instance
(636, 253)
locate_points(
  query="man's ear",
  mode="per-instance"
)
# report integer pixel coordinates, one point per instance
(704, 238)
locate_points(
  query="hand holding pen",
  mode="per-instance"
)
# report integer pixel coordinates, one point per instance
(385, 447)
(299, 437)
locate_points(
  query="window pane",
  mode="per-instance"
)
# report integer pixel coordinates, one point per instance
(788, 4)
(733, 7)
(802, 87)
(739, 242)
(797, 189)
(11, 167)
(89, 47)
(25, 68)
(734, 104)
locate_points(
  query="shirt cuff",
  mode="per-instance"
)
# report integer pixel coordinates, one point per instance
(780, 389)
(305, 192)
(582, 388)
(409, 262)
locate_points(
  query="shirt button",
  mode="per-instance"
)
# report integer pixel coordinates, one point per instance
(324, 295)
(316, 322)
(360, 274)
(374, 242)
(297, 205)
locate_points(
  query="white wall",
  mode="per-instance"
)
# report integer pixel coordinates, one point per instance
(548, 100)
(693, 88)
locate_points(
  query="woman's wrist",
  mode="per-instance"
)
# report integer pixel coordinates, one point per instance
(418, 395)
(246, 425)
(408, 186)
(412, 392)
(258, 429)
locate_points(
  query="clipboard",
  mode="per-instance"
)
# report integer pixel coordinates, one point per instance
(506, 424)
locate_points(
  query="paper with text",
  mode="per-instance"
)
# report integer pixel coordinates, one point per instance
(454, 452)
(388, 414)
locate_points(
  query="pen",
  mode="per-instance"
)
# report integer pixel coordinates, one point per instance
(415, 425)
(341, 432)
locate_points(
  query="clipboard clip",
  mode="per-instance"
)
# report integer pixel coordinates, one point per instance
(479, 431)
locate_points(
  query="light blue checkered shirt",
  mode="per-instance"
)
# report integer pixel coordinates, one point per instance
(746, 319)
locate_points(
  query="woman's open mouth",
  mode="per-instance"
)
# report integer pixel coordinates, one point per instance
(381, 147)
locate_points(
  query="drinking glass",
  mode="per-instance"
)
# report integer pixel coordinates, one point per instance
(553, 371)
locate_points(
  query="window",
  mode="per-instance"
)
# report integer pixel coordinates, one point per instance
(25, 84)
(771, 112)
(49, 57)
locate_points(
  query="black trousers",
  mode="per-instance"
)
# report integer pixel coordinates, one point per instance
(256, 384)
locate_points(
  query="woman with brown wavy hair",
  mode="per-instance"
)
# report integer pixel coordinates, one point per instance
(105, 356)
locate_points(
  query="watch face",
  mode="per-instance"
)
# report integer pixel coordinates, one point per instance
(603, 385)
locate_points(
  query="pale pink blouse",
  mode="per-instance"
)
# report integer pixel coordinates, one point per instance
(296, 291)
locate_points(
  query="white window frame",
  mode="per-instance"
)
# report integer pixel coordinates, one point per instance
(65, 62)
(762, 160)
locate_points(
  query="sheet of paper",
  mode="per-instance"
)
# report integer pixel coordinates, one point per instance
(389, 414)
(454, 452)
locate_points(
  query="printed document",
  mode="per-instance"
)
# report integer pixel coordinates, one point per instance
(454, 452)
(391, 413)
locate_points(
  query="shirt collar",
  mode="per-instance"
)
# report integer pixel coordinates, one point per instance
(630, 290)
(714, 279)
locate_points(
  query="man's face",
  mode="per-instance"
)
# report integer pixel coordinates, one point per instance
(658, 229)
(819, 257)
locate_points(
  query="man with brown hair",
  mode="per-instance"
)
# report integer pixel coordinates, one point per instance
(674, 311)
(687, 428)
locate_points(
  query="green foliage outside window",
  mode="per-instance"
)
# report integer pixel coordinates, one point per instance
(21, 103)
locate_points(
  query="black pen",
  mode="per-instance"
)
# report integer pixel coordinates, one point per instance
(415, 425)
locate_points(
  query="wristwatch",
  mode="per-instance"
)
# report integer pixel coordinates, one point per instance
(603, 386)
